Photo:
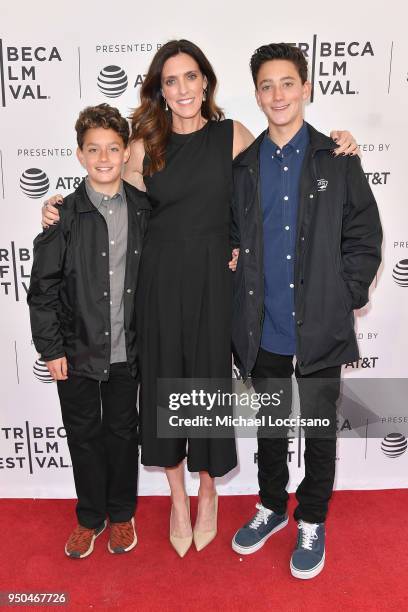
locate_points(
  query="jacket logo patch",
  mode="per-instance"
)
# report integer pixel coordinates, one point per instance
(322, 184)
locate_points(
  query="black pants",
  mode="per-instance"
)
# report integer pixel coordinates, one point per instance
(101, 422)
(318, 394)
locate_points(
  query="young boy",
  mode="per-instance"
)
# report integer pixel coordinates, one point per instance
(81, 300)
(310, 239)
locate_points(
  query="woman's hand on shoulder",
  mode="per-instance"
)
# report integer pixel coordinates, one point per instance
(49, 211)
(133, 170)
(346, 143)
(242, 138)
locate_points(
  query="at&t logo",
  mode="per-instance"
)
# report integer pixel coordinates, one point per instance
(400, 273)
(41, 372)
(34, 183)
(362, 362)
(394, 445)
(377, 178)
(112, 81)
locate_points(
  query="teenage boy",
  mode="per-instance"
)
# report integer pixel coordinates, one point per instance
(82, 311)
(310, 240)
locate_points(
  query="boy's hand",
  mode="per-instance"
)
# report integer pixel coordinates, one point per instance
(346, 144)
(50, 214)
(234, 261)
(58, 368)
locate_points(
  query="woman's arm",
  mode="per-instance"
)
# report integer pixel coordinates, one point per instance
(242, 138)
(133, 170)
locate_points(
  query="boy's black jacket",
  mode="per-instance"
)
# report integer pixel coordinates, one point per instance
(337, 254)
(69, 288)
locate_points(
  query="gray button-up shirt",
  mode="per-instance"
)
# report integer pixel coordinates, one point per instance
(114, 210)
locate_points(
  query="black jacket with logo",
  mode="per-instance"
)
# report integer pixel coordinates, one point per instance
(69, 288)
(337, 254)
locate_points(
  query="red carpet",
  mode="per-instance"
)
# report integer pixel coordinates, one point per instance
(366, 560)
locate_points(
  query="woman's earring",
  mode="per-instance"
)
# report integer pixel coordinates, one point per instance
(165, 104)
(204, 95)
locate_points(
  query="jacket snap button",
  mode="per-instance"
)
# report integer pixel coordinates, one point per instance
(251, 292)
(300, 322)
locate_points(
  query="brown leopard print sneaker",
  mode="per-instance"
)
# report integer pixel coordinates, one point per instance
(80, 543)
(122, 537)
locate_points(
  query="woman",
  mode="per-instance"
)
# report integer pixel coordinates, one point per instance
(183, 152)
(182, 155)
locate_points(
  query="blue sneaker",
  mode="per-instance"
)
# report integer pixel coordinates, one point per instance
(308, 557)
(253, 535)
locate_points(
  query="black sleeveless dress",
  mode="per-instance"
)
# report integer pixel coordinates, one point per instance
(185, 288)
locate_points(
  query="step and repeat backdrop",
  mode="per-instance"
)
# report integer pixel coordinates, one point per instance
(55, 60)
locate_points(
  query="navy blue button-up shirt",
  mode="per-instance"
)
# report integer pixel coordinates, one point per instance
(280, 171)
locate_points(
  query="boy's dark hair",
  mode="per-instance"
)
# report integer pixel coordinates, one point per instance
(104, 116)
(281, 51)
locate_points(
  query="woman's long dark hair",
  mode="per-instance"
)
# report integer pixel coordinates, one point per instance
(150, 121)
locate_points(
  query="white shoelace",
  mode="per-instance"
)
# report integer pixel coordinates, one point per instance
(261, 516)
(308, 534)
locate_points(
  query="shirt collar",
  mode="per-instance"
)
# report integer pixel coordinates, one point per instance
(99, 199)
(298, 143)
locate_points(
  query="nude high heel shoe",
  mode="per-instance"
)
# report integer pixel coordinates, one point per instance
(203, 538)
(181, 544)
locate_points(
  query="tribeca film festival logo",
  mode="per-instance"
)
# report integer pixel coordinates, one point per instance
(15, 270)
(21, 69)
(394, 445)
(329, 64)
(34, 447)
(400, 273)
(295, 454)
